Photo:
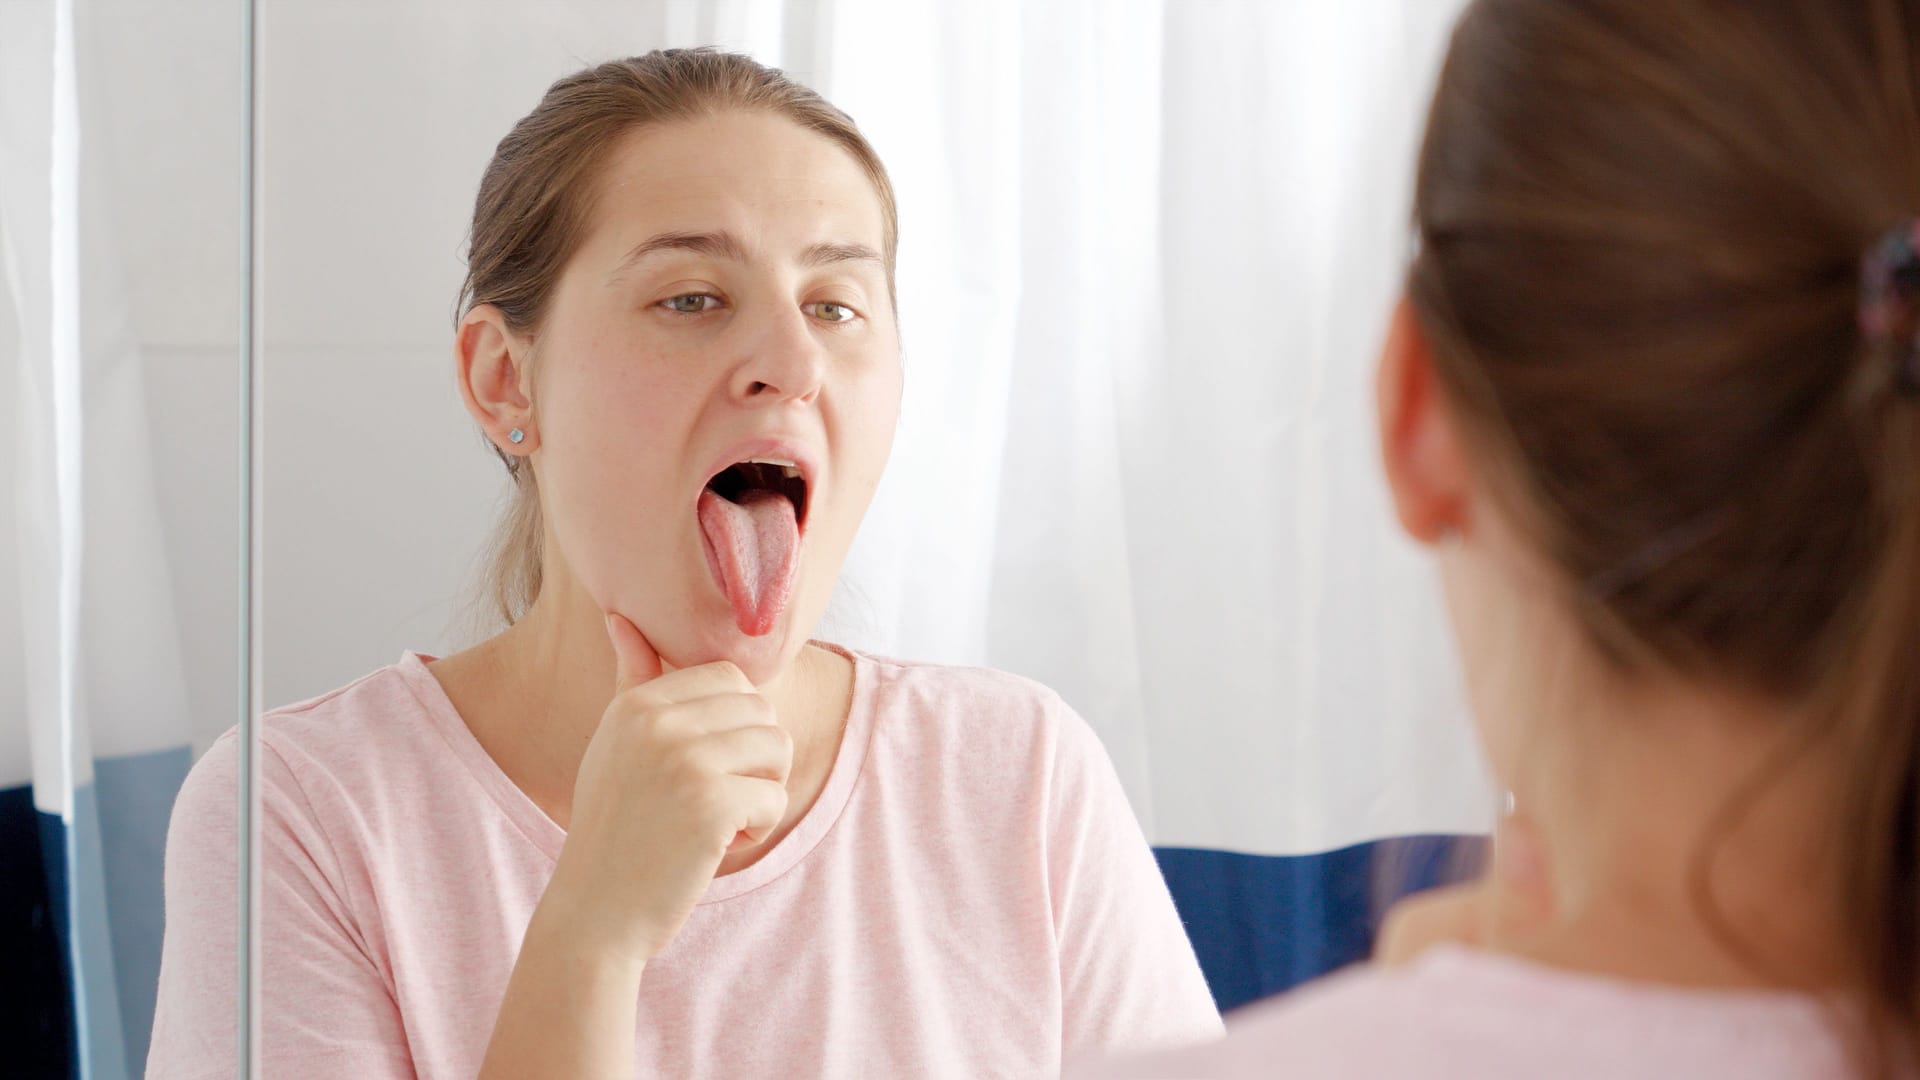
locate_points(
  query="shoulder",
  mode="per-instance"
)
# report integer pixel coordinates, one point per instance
(202, 831)
(1001, 746)
(1451, 1008)
(943, 687)
(1458, 1011)
(356, 737)
(1340, 1018)
(977, 710)
(364, 724)
(1353, 1023)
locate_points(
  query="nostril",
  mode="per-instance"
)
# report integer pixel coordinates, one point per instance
(759, 388)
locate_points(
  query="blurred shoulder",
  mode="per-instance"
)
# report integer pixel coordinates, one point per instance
(1457, 1011)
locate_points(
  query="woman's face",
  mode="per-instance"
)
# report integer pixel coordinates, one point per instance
(729, 305)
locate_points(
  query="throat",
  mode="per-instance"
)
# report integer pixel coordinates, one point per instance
(531, 709)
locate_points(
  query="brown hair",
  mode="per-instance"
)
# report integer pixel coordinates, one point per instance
(1641, 229)
(537, 199)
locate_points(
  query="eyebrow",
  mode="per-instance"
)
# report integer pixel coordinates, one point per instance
(725, 245)
(720, 245)
(825, 254)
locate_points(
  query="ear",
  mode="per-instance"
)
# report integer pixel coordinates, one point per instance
(491, 362)
(1419, 442)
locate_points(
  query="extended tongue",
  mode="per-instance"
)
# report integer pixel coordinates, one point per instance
(754, 543)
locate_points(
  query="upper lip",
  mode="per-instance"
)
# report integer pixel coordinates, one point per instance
(778, 447)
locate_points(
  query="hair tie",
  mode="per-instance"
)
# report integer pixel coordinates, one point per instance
(1890, 302)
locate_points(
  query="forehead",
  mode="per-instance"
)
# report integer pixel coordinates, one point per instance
(758, 175)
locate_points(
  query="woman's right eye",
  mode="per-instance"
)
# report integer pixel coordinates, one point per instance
(691, 303)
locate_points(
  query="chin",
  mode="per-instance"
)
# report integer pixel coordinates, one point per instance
(762, 657)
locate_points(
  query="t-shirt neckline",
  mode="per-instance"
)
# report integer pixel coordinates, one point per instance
(548, 836)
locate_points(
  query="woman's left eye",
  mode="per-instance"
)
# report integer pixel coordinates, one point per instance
(828, 311)
(691, 303)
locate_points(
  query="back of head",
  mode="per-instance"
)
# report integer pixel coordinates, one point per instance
(1642, 231)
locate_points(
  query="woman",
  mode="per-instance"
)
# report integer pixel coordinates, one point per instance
(651, 794)
(1654, 400)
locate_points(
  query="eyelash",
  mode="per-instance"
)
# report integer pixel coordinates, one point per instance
(851, 313)
(669, 302)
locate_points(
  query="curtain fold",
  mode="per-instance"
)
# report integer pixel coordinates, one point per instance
(101, 708)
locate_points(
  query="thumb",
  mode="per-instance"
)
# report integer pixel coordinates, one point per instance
(634, 661)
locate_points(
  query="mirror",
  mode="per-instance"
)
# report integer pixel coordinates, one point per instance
(1145, 253)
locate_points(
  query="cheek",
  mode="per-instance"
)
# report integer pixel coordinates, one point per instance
(610, 435)
(866, 430)
(606, 398)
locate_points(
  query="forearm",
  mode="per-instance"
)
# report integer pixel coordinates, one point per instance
(569, 1006)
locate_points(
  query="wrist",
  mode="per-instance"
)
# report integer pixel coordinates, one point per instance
(568, 922)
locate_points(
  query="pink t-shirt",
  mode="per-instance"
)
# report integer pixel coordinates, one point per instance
(970, 896)
(1470, 1013)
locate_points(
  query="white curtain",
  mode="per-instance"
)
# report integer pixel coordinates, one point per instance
(1149, 248)
(97, 718)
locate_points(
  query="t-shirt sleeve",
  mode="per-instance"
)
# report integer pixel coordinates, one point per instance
(325, 1008)
(1129, 980)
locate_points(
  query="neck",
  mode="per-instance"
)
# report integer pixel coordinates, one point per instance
(560, 646)
(534, 695)
(1688, 840)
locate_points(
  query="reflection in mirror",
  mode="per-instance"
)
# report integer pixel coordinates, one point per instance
(119, 314)
(1119, 459)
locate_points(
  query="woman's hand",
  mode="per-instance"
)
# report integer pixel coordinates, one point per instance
(683, 768)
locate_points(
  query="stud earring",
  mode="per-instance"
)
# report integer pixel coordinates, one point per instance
(516, 436)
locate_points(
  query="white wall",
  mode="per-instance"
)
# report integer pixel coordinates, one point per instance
(159, 137)
(168, 133)
(379, 119)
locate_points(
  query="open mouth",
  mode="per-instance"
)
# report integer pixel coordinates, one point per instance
(744, 482)
(751, 515)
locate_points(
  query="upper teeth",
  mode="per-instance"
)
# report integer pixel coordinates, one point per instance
(771, 461)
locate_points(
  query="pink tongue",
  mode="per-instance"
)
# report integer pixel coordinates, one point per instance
(754, 543)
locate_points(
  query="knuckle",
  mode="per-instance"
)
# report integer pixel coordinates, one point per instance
(636, 718)
(712, 807)
(683, 761)
(639, 698)
(758, 708)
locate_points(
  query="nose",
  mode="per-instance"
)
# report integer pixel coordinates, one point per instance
(783, 363)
